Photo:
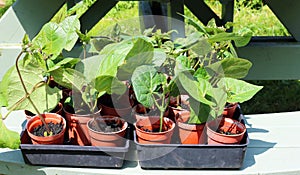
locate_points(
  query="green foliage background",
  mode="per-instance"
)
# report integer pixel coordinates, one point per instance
(276, 96)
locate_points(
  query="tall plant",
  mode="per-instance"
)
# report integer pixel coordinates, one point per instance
(25, 86)
(211, 74)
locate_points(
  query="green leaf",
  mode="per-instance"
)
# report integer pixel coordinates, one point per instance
(83, 37)
(116, 30)
(212, 28)
(25, 40)
(239, 90)
(198, 89)
(189, 41)
(146, 82)
(70, 25)
(159, 57)
(4, 87)
(51, 39)
(44, 97)
(99, 43)
(230, 67)
(246, 35)
(140, 54)
(50, 63)
(200, 112)
(27, 59)
(3, 99)
(122, 48)
(109, 84)
(219, 96)
(182, 64)
(202, 47)
(65, 61)
(91, 67)
(8, 138)
(201, 73)
(239, 40)
(69, 78)
(113, 57)
(197, 26)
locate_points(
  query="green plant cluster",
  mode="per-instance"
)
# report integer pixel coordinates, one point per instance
(204, 64)
(253, 4)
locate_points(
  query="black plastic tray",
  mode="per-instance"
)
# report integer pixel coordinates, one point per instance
(201, 156)
(72, 155)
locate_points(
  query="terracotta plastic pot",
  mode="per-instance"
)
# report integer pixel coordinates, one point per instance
(226, 125)
(58, 110)
(49, 117)
(77, 127)
(110, 139)
(189, 133)
(154, 137)
(116, 105)
(120, 112)
(138, 113)
(229, 110)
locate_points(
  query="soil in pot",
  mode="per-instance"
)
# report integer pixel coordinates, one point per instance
(36, 130)
(55, 128)
(225, 131)
(107, 131)
(78, 133)
(147, 130)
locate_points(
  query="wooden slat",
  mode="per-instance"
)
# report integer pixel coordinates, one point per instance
(272, 60)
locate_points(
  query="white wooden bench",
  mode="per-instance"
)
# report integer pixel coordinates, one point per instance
(274, 148)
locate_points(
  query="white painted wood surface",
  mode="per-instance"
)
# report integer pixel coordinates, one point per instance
(274, 149)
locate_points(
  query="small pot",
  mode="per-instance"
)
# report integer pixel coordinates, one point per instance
(138, 112)
(189, 133)
(48, 140)
(111, 139)
(145, 137)
(226, 125)
(116, 105)
(58, 110)
(229, 110)
(77, 127)
(119, 112)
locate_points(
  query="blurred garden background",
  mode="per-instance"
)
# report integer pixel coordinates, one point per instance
(276, 96)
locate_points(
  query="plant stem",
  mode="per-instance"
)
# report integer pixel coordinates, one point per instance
(161, 117)
(84, 51)
(40, 84)
(28, 95)
(198, 62)
(162, 109)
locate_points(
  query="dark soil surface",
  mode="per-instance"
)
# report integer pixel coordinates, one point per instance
(54, 128)
(154, 129)
(107, 126)
(221, 131)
